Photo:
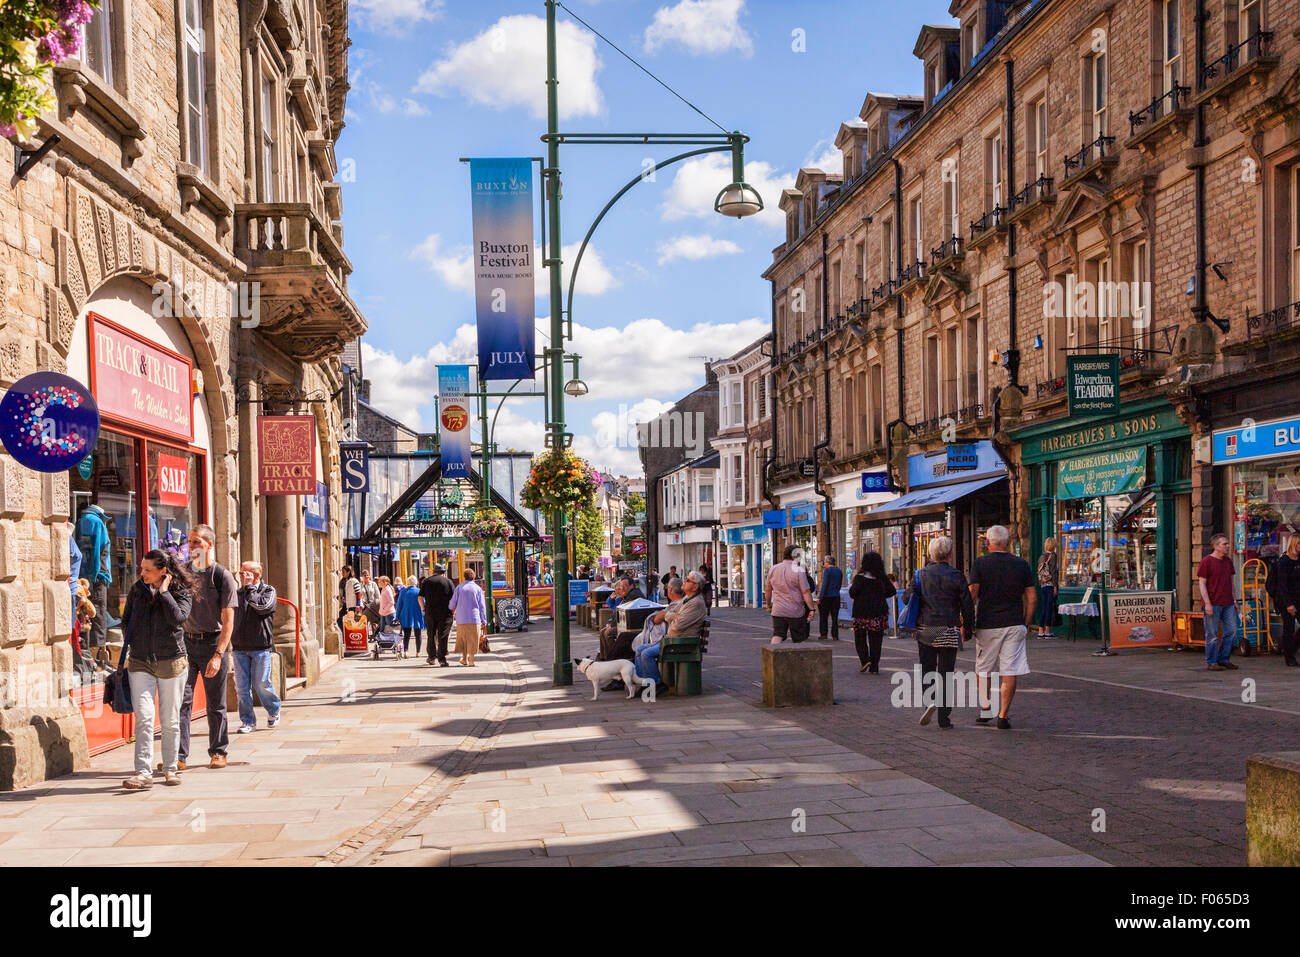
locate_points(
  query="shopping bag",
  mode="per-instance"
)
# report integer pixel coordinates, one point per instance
(912, 613)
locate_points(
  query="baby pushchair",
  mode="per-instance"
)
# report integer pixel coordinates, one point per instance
(383, 640)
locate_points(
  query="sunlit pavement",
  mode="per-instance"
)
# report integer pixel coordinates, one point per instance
(396, 763)
(1148, 738)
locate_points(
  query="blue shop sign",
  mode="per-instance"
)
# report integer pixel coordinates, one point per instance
(932, 469)
(317, 517)
(578, 588)
(775, 518)
(805, 514)
(749, 535)
(355, 460)
(48, 422)
(875, 482)
(1257, 440)
(963, 458)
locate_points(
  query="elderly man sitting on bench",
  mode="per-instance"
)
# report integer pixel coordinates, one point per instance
(683, 616)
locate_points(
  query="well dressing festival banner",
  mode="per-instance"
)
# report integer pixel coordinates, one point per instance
(453, 425)
(502, 194)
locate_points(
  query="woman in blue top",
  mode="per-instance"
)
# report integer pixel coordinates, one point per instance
(409, 614)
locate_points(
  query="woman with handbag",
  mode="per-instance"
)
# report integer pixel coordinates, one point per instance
(470, 610)
(946, 616)
(156, 607)
(1049, 571)
(870, 591)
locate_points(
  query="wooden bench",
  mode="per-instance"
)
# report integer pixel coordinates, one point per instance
(681, 661)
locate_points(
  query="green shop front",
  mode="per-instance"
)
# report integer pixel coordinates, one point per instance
(1115, 493)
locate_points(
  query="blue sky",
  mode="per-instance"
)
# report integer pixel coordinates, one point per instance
(666, 279)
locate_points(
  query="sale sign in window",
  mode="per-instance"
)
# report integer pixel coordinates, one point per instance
(173, 480)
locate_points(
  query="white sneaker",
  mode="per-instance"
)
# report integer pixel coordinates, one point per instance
(247, 728)
(272, 722)
(928, 714)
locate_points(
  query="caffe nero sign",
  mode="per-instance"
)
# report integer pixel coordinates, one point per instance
(1092, 382)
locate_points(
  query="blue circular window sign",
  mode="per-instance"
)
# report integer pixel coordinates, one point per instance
(48, 422)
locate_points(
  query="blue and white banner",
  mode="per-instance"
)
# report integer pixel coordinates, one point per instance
(453, 420)
(355, 459)
(502, 191)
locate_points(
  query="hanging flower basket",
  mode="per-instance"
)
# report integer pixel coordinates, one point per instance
(560, 481)
(34, 34)
(489, 528)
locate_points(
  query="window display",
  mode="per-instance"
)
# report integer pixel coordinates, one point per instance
(1271, 493)
(103, 492)
(1127, 526)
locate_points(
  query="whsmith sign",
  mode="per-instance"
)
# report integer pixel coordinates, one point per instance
(1092, 383)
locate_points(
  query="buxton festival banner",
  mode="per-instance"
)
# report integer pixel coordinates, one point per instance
(453, 425)
(503, 266)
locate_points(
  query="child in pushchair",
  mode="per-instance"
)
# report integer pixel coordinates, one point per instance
(381, 639)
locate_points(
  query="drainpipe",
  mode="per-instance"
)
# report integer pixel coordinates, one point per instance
(826, 385)
(898, 265)
(1199, 143)
(772, 456)
(1013, 365)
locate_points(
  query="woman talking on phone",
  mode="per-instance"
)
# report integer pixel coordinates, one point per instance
(156, 608)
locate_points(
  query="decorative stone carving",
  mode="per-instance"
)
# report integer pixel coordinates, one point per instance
(13, 615)
(54, 496)
(8, 550)
(13, 488)
(58, 610)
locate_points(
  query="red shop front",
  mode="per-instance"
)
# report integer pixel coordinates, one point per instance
(145, 484)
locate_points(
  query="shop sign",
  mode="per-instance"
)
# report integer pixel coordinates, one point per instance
(355, 460)
(1092, 384)
(450, 543)
(453, 420)
(317, 516)
(173, 480)
(139, 382)
(674, 538)
(49, 422)
(1131, 428)
(286, 454)
(807, 468)
(578, 588)
(775, 518)
(962, 458)
(638, 547)
(502, 207)
(640, 518)
(632, 531)
(1257, 440)
(1140, 619)
(1106, 473)
(749, 535)
(923, 469)
(806, 514)
(86, 467)
(875, 482)
(1240, 513)
(633, 566)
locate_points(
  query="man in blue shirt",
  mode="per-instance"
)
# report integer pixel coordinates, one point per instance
(828, 598)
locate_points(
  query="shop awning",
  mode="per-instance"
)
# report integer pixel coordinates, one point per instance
(926, 501)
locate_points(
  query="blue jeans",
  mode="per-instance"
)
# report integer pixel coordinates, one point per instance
(647, 663)
(1219, 649)
(1047, 605)
(254, 668)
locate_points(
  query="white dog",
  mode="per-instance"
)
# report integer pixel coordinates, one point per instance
(599, 672)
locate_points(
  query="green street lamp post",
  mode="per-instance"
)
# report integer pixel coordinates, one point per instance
(738, 199)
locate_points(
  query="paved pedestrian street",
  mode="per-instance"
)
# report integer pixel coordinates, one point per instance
(392, 762)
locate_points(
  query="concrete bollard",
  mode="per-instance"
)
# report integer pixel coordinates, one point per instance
(1273, 809)
(795, 675)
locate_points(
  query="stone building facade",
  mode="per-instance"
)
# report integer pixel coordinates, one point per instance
(187, 213)
(744, 446)
(1075, 179)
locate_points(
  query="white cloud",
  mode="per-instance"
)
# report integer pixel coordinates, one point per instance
(700, 26)
(412, 108)
(455, 267)
(698, 247)
(825, 156)
(402, 387)
(616, 460)
(647, 358)
(390, 15)
(452, 266)
(505, 67)
(698, 181)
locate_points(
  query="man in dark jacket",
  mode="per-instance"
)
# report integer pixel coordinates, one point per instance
(828, 598)
(252, 641)
(435, 599)
(1285, 592)
(207, 643)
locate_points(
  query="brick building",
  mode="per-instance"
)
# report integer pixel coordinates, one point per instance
(680, 476)
(1076, 179)
(744, 446)
(186, 216)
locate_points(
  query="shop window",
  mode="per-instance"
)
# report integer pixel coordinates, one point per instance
(174, 489)
(106, 525)
(1272, 513)
(1110, 541)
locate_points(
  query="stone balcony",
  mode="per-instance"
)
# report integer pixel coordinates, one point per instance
(299, 263)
